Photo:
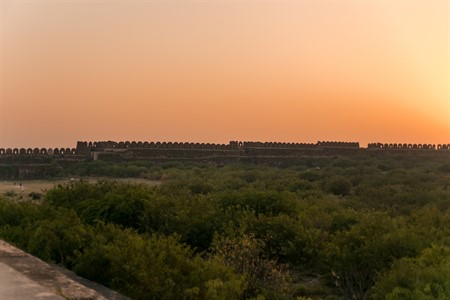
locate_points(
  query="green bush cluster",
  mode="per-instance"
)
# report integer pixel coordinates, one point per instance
(343, 228)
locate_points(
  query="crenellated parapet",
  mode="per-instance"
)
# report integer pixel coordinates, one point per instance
(338, 145)
(149, 145)
(39, 151)
(277, 145)
(189, 149)
(400, 146)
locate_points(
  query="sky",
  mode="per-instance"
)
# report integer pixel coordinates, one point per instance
(215, 71)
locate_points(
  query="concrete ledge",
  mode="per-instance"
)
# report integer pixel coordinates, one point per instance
(45, 281)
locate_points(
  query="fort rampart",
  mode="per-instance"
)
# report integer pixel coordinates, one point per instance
(93, 150)
(38, 151)
(22, 163)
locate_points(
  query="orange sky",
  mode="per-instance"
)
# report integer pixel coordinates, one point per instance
(214, 71)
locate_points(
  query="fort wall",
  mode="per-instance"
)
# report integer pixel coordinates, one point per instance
(29, 163)
(138, 149)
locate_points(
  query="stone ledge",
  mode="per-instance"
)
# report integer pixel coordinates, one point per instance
(63, 282)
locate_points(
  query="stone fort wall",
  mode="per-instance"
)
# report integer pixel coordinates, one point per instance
(233, 148)
(38, 151)
(22, 163)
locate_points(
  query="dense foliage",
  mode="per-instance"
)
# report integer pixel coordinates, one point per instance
(341, 228)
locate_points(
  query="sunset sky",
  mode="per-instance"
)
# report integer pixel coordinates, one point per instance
(215, 71)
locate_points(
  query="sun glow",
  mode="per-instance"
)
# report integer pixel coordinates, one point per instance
(218, 71)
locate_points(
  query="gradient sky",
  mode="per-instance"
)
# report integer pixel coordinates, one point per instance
(214, 71)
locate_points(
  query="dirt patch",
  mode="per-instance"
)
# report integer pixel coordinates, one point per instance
(27, 190)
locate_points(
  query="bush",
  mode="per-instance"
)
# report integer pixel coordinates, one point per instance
(339, 186)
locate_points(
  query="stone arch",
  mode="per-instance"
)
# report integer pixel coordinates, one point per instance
(9, 151)
(62, 151)
(36, 151)
(240, 144)
(145, 145)
(139, 144)
(29, 151)
(73, 151)
(43, 151)
(152, 145)
(121, 145)
(2, 151)
(127, 144)
(163, 145)
(50, 151)
(439, 146)
(22, 151)
(95, 144)
(133, 144)
(56, 151)
(158, 145)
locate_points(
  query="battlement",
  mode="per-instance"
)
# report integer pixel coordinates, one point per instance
(86, 149)
(21, 163)
(83, 146)
(401, 146)
(39, 151)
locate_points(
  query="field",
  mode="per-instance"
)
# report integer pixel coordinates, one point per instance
(26, 190)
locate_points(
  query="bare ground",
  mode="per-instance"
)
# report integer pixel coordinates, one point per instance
(26, 190)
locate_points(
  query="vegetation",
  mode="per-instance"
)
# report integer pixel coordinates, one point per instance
(342, 228)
